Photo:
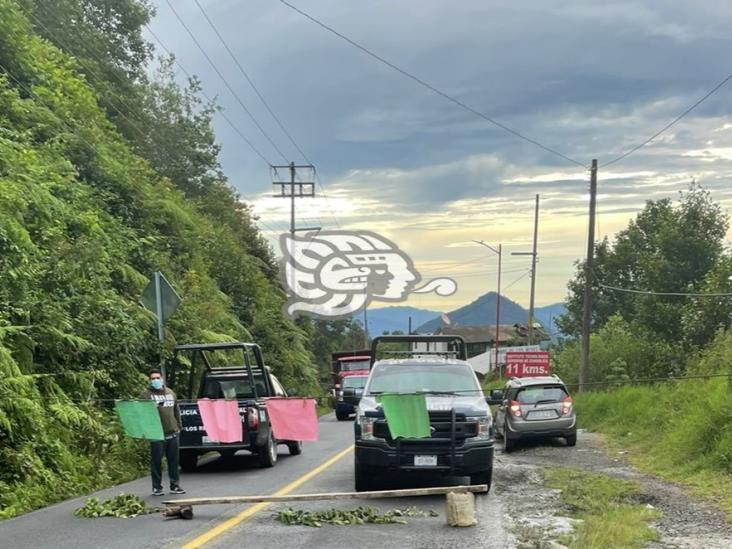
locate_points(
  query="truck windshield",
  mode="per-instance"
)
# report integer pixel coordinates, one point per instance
(352, 365)
(355, 382)
(418, 378)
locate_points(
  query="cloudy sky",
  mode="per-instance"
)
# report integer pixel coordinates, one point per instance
(589, 79)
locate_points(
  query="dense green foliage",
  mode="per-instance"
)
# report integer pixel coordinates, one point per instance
(617, 350)
(666, 248)
(87, 214)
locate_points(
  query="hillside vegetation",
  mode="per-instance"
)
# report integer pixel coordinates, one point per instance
(680, 431)
(89, 210)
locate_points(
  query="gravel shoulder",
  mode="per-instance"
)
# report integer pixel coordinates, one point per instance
(534, 511)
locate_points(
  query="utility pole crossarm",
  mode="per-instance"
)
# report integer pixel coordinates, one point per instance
(293, 189)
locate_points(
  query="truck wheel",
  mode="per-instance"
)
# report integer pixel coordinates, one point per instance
(483, 477)
(341, 416)
(188, 460)
(295, 448)
(268, 452)
(364, 478)
(571, 440)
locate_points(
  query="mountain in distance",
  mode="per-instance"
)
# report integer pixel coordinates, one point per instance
(548, 315)
(482, 312)
(390, 319)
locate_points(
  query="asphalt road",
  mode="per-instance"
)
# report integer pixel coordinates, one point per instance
(229, 525)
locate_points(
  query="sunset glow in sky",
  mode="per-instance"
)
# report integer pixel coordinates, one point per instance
(589, 79)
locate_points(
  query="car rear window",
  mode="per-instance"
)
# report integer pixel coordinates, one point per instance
(541, 393)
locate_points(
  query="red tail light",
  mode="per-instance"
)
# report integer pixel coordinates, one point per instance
(252, 418)
(567, 405)
(515, 408)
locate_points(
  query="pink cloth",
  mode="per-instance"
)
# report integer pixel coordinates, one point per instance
(221, 420)
(293, 418)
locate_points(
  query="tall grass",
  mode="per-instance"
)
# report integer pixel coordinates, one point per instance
(681, 431)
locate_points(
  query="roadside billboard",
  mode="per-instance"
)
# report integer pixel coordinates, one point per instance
(526, 364)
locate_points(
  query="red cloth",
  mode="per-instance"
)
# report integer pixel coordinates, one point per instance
(221, 420)
(293, 418)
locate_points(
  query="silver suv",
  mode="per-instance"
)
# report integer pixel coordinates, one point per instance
(534, 407)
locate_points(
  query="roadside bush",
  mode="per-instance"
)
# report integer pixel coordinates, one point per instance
(620, 350)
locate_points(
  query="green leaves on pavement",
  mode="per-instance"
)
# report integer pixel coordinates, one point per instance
(360, 515)
(120, 506)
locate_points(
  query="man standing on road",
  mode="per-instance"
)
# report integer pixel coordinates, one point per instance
(170, 418)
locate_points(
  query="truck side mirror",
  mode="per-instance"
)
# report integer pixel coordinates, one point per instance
(495, 398)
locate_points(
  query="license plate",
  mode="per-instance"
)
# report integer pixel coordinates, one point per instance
(543, 414)
(425, 461)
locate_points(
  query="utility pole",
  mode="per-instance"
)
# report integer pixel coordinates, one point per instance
(409, 329)
(533, 273)
(585, 349)
(499, 252)
(532, 253)
(293, 189)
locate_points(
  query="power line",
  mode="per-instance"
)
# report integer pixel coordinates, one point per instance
(430, 87)
(649, 380)
(208, 97)
(674, 121)
(222, 114)
(30, 92)
(267, 106)
(98, 78)
(516, 280)
(73, 130)
(678, 294)
(251, 83)
(224, 80)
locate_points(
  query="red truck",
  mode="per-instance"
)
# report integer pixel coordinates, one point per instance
(350, 372)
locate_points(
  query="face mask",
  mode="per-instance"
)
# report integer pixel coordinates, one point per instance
(156, 384)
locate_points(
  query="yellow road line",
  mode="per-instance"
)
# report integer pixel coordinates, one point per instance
(254, 509)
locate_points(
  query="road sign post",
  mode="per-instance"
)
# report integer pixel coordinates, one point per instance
(160, 298)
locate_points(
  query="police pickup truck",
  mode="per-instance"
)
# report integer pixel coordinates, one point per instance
(462, 437)
(226, 370)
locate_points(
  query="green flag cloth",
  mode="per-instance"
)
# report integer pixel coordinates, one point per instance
(140, 419)
(406, 415)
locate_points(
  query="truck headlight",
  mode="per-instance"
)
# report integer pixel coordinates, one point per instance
(367, 427)
(485, 428)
